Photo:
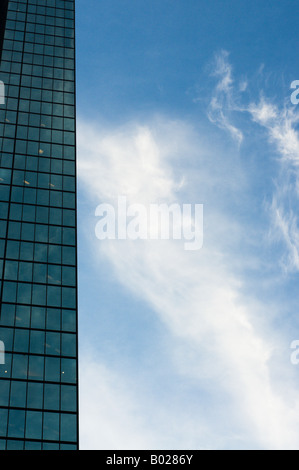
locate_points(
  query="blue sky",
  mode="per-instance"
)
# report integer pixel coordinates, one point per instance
(189, 103)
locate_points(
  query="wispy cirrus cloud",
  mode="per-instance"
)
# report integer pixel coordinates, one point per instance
(198, 298)
(280, 123)
(222, 102)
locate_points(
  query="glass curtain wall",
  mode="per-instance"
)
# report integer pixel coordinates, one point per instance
(38, 258)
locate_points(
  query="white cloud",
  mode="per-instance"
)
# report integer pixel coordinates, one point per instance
(195, 295)
(280, 124)
(222, 101)
(281, 128)
(109, 418)
(118, 411)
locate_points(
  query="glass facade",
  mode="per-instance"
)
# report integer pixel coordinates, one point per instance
(38, 257)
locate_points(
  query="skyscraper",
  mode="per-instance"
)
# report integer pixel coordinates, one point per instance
(38, 258)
